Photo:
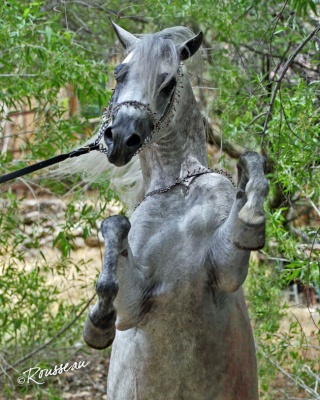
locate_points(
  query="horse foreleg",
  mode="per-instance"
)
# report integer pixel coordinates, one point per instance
(99, 329)
(253, 187)
(244, 229)
(121, 287)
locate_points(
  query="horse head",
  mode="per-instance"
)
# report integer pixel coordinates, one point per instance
(146, 82)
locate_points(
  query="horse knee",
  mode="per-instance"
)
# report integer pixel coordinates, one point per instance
(115, 229)
(107, 288)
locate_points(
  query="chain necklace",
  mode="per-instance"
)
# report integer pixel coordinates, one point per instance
(194, 174)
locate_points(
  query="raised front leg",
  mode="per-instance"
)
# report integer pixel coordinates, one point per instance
(244, 229)
(99, 329)
(121, 287)
(252, 189)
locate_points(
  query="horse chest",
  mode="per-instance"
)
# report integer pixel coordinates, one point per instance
(175, 228)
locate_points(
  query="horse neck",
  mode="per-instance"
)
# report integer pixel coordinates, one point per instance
(181, 149)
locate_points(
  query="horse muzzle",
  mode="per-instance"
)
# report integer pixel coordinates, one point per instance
(125, 136)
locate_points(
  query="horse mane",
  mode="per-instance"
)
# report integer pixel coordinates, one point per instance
(95, 167)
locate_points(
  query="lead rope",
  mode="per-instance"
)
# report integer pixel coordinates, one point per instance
(110, 112)
(97, 145)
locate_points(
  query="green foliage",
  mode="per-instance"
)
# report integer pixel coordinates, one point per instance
(304, 6)
(263, 292)
(39, 58)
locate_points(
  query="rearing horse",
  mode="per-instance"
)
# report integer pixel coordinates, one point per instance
(170, 292)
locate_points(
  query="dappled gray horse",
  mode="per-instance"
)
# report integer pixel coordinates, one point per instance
(170, 296)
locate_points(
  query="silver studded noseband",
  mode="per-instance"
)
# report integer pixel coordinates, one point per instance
(112, 111)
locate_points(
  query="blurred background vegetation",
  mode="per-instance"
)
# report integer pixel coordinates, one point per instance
(259, 90)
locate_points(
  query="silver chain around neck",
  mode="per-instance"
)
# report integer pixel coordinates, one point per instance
(191, 174)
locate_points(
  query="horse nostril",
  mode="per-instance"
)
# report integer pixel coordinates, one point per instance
(133, 141)
(108, 133)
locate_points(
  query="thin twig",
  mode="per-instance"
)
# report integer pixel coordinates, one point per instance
(307, 197)
(301, 63)
(303, 333)
(297, 380)
(256, 118)
(17, 134)
(308, 278)
(276, 69)
(263, 35)
(275, 27)
(17, 75)
(25, 358)
(279, 81)
(287, 122)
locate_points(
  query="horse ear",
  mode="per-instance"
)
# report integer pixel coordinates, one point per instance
(126, 38)
(190, 47)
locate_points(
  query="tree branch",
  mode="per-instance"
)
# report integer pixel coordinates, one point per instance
(215, 139)
(297, 380)
(17, 75)
(263, 53)
(282, 75)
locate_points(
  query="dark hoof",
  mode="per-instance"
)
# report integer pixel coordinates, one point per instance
(97, 338)
(249, 237)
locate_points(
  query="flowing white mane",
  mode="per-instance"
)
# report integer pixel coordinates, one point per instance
(95, 167)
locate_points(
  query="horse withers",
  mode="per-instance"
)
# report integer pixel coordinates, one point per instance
(170, 292)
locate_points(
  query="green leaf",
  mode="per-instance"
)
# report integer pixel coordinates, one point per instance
(48, 31)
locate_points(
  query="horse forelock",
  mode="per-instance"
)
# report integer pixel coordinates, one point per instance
(155, 54)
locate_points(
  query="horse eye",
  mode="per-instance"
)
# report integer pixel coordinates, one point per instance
(119, 72)
(118, 68)
(169, 86)
(119, 78)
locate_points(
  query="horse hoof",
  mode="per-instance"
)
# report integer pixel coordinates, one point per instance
(248, 236)
(97, 338)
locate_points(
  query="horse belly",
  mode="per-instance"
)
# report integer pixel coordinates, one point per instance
(209, 356)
